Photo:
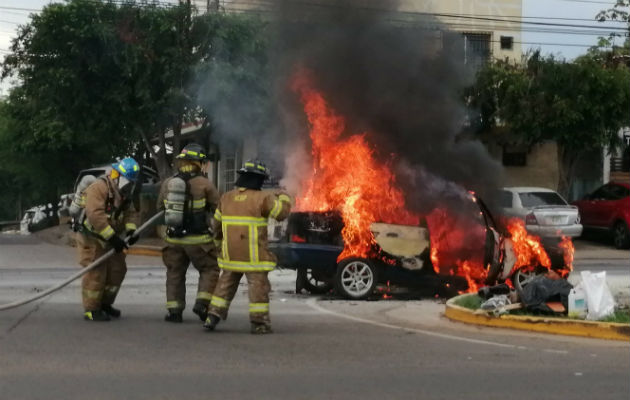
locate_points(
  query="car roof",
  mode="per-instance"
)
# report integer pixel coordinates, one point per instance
(528, 189)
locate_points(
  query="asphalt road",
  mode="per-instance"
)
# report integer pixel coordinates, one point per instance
(321, 349)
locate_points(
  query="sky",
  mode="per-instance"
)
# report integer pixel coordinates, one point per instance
(564, 45)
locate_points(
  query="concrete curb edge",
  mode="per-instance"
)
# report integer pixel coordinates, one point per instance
(591, 329)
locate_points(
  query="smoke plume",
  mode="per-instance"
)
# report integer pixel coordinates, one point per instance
(398, 80)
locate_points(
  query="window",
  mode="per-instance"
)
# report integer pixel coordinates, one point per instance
(506, 199)
(231, 164)
(477, 50)
(535, 199)
(507, 42)
(514, 156)
(603, 193)
(618, 192)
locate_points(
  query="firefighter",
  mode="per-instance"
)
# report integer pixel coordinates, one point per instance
(241, 225)
(189, 200)
(107, 215)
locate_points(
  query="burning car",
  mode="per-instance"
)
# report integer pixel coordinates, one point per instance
(353, 229)
(401, 255)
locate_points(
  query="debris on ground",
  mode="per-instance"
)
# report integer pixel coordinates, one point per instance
(541, 290)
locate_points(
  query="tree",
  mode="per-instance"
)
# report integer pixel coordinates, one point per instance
(579, 105)
(96, 79)
(619, 12)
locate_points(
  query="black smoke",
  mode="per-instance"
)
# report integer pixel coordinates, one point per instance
(398, 77)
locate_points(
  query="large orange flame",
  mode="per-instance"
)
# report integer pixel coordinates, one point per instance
(528, 249)
(346, 175)
(568, 252)
(457, 243)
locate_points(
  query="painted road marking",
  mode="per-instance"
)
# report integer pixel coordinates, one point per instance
(313, 304)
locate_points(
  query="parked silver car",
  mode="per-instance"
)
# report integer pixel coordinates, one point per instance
(545, 212)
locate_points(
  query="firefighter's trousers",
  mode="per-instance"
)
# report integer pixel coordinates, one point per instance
(258, 289)
(99, 286)
(176, 259)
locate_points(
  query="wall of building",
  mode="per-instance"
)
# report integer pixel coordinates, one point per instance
(541, 167)
(454, 14)
(498, 9)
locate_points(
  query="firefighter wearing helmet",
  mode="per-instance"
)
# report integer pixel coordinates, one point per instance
(108, 214)
(189, 201)
(240, 223)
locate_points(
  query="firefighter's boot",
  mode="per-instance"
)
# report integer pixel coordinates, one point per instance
(95, 315)
(174, 315)
(201, 309)
(261, 328)
(111, 311)
(211, 322)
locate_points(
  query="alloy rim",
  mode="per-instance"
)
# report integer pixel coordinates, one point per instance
(357, 278)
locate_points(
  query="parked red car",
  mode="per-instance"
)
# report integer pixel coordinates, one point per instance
(608, 208)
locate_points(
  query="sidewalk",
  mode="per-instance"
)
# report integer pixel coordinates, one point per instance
(594, 250)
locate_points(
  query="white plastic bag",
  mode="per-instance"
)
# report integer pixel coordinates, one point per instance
(598, 297)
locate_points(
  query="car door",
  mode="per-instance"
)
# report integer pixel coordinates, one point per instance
(610, 211)
(588, 206)
(603, 206)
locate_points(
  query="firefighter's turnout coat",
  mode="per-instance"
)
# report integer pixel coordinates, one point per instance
(240, 223)
(106, 214)
(196, 246)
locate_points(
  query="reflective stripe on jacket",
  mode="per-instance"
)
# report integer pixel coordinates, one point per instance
(240, 223)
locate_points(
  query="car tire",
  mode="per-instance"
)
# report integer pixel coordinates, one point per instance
(312, 283)
(621, 235)
(356, 278)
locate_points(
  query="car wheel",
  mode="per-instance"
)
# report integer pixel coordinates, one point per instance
(621, 236)
(312, 282)
(356, 278)
(521, 279)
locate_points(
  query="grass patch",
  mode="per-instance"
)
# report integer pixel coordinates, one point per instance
(620, 316)
(472, 302)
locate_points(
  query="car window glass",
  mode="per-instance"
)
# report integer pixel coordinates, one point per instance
(535, 199)
(603, 193)
(618, 192)
(505, 199)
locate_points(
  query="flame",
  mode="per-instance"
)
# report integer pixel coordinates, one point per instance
(566, 244)
(473, 274)
(457, 243)
(528, 249)
(346, 176)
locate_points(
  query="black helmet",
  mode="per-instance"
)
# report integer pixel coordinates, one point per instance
(194, 152)
(254, 167)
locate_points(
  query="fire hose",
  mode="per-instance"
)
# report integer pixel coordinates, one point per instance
(79, 274)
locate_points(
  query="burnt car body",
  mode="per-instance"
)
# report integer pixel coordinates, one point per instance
(311, 242)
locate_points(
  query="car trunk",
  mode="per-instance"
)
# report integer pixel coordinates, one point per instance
(555, 215)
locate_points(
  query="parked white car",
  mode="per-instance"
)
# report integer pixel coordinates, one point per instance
(545, 212)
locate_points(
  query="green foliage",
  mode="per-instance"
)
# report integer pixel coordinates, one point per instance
(101, 79)
(579, 105)
(470, 301)
(619, 12)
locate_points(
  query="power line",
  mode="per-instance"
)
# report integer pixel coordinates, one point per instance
(478, 27)
(417, 13)
(457, 15)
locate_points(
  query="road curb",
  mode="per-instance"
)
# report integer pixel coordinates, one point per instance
(557, 326)
(141, 250)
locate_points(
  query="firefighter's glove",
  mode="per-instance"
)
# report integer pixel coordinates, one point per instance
(118, 244)
(132, 238)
